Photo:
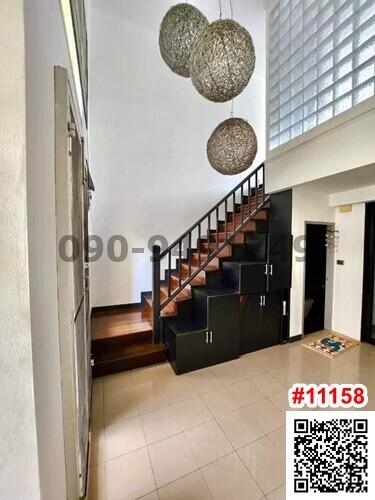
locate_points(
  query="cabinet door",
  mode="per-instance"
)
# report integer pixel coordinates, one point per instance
(253, 278)
(280, 261)
(251, 323)
(194, 351)
(223, 325)
(271, 320)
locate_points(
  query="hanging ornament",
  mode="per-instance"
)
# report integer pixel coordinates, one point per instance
(232, 147)
(180, 29)
(222, 61)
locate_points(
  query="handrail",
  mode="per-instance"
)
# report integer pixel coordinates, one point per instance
(199, 221)
(232, 229)
(217, 251)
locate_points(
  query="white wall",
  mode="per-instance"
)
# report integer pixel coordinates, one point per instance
(348, 291)
(308, 206)
(148, 135)
(45, 47)
(19, 476)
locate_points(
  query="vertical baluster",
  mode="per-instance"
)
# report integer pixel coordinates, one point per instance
(249, 196)
(199, 245)
(156, 292)
(241, 203)
(256, 189)
(263, 183)
(179, 262)
(209, 233)
(189, 253)
(169, 271)
(234, 210)
(217, 227)
(226, 218)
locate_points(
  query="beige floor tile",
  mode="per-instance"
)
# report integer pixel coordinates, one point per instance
(178, 390)
(115, 385)
(130, 476)
(220, 402)
(147, 374)
(151, 496)
(267, 385)
(120, 407)
(240, 427)
(191, 412)
(97, 415)
(281, 400)
(191, 487)
(244, 392)
(97, 440)
(96, 488)
(162, 424)
(228, 478)
(204, 380)
(278, 438)
(172, 459)
(165, 371)
(236, 370)
(267, 415)
(208, 443)
(265, 463)
(122, 437)
(278, 494)
(97, 390)
(150, 397)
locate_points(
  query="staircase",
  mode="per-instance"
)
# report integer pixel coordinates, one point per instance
(200, 264)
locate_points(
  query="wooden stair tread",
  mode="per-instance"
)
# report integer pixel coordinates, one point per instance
(169, 310)
(120, 322)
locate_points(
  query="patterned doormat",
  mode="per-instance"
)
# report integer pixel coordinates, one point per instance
(331, 345)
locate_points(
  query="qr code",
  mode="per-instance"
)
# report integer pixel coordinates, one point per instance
(329, 452)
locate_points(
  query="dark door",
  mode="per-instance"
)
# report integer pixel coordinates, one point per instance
(194, 351)
(368, 312)
(280, 260)
(223, 326)
(315, 277)
(251, 323)
(271, 320)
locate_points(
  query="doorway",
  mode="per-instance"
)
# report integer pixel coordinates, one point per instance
(315, 277)
(368, 308)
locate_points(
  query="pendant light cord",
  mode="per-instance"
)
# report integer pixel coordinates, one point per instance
(231, 9)
(220, 9)
(232, 108)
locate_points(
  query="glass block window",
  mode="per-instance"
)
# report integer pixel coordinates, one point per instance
(322, 62)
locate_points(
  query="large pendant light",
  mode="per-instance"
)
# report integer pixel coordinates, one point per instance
(179, 31)
(222, 61)
(232, 147)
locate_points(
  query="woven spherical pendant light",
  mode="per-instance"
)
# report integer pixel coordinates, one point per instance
(222, 61)
(179, 31)
(232, 147)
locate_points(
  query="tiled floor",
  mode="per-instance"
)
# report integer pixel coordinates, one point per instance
(218, 433)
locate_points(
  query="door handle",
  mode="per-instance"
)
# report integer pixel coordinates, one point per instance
(264, 301)
(284, 308)
(271, 270)
(210, 337)
(206, 337)
(261, 301)
(266, 269)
